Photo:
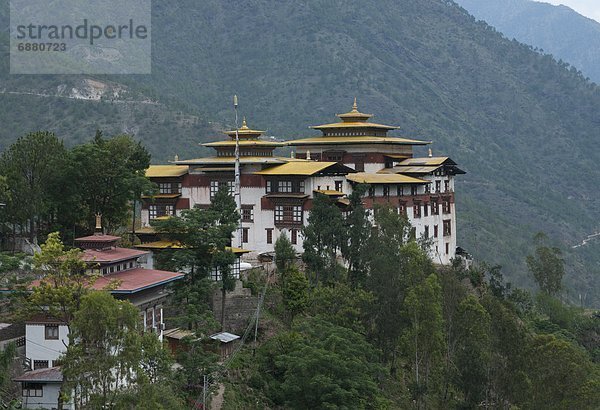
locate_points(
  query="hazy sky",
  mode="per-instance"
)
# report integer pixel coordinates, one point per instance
(589, 8)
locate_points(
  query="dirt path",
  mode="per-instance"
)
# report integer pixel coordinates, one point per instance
(217, 401)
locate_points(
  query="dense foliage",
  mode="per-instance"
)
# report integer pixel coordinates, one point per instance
(412, 335)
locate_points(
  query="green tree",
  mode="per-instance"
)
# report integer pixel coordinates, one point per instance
(546, 266)
(7, 361)
(358, 228)
(107, 351)
(295, 293)
(205, 238)
(285, 255)
(323, 239)
(105, 176)
(320, 365)
(472, 350)
(29, 166)
(424, 340)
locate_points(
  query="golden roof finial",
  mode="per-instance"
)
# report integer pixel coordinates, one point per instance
(430, 153)
(244, 125)
(176, 157)
(98, 223)
(354, 106)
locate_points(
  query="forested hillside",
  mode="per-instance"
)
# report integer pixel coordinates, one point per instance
(558, 30)
(524, 126)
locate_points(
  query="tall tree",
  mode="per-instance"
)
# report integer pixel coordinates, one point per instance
(107, 174)
(323, 239)
(205, 236)
(358, 228)
(285, 255)
(108, 354)
(546, 266)
(424, 340)
(29, 166)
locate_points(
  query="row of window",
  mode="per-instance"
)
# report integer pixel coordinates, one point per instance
(423, 209)
(446, 227)
(160, 210)
(216, 185)
(285, 187)
(118, 267)
(169, 187)
(401, 190)
(245, 153)
(235, 269)
(269, 231)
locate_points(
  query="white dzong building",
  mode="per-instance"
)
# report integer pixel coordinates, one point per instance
(277, 192)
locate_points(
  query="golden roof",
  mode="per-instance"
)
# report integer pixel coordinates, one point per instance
(244, 143)
(244, 131)
(231, 160)
(157, 171)
(353, 119)
(177, 245)
(367, 178)
(162, 196)
(409, 170)
(297, 168)
(425, 161)
(356, 140)
(329, 192)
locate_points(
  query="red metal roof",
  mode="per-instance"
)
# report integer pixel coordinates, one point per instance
(111, 255)
(52, 375)
(98, 238)
(135, 280)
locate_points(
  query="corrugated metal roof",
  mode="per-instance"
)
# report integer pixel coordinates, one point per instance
(225, 337)
(159, 245)
(297, 168)
(135, 280)
(409, 170)
(366, 178)
(49, 375)
(329, 192)
(426, 161)
(231, 160)
(162, 196)
(158, 171)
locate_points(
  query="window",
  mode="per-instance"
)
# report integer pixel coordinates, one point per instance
(371, 191)
(359, 163)
(51, 332)
(425, 209)
(426, 233)
(269, 235)
(40, 364)
(284, 187)
(245, 235)
(437, 186)
(247, 213)
(159, 210)
(447, 227)
(447, 185)
(268, 187)
(169, 187)
(400, 190)
(386, 191)
(288, 214)
(428, 189)
(33, 389)
(447, 248)
(294, 236)
(417, 210)
(339, 185)
(413, 190)
(446, 206)
(216, 185)
(334, 156)
(402, 208)
(435, 210)
(435, 231)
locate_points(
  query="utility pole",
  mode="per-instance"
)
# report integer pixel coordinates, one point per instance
(238, 190)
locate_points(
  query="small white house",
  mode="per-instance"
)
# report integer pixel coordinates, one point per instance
(41, 388)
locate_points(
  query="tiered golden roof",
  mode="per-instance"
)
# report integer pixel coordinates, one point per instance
(354, 119)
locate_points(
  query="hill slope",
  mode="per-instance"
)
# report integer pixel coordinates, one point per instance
(558, 30)
(524, 127)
